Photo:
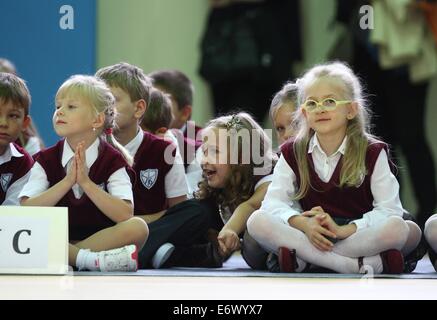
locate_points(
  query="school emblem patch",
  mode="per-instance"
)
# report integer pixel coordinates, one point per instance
(148, 177)
(5, 179)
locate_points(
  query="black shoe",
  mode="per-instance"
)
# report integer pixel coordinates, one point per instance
(272, 263)
(432, 257)
(196, 256)
(410, 261)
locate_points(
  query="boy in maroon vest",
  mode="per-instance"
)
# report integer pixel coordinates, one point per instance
(15, 163)
(181, 90)
(161, 187)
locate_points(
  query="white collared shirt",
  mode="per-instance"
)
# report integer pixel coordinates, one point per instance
(175, 181)
(11, 198)
(119, 184)
(324, 165)
(384, 186)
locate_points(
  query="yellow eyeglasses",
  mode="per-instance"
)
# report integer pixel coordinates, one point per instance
(327, 104)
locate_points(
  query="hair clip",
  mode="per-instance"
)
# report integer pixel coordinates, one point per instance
(234, 123)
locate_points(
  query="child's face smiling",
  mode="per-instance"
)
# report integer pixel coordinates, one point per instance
(12, 122)
(215, 164)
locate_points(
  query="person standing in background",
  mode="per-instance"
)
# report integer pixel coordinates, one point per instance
(398, 92)
(247, 52)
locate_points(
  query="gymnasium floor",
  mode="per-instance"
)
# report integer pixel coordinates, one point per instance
(233, 282)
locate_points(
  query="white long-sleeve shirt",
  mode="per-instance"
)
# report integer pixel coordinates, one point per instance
(384, 186)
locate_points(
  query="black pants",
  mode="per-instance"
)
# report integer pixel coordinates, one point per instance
(254, 255)
(399, 108)
(183, 224)
(194, 255)
(195, 252)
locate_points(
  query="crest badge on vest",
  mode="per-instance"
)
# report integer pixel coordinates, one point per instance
(5, 179)
(148, 177)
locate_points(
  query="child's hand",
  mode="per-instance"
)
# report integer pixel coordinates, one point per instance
(313, 212)
(324, 219)
(229, 241)
(82, 169)
(71, 175)
(316, 233)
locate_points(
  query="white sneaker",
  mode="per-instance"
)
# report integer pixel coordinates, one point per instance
(162, 254)
(120, 259)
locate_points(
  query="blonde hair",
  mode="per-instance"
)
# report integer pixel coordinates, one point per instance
(358, 129)
(240, 185)
(129, 78)
(287, 95)
(7, 66)
(99, 96)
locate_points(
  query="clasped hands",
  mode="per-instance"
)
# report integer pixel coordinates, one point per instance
(78, 172)
(320, 227)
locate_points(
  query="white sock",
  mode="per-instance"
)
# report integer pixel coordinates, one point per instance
(375, 262)
(87, 260)
(413, 240)
(431, 231)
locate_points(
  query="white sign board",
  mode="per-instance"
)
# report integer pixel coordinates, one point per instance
(33, 240)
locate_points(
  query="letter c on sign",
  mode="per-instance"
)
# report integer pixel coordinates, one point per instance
(17, 238)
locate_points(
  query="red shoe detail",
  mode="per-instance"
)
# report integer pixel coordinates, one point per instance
(135, 255)
(392, 261)
(287, 260)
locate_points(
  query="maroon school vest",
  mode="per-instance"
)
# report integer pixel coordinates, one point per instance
(84, 218)
(150, 169)
(13, 170)
(347, 202)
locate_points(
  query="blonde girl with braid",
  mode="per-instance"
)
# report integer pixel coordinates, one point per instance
(89, 172)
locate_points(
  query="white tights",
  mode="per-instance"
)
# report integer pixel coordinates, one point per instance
(431, 232)
(394, 233)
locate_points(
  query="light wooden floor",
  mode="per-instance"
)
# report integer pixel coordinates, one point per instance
(216, 288)
(193, 288)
